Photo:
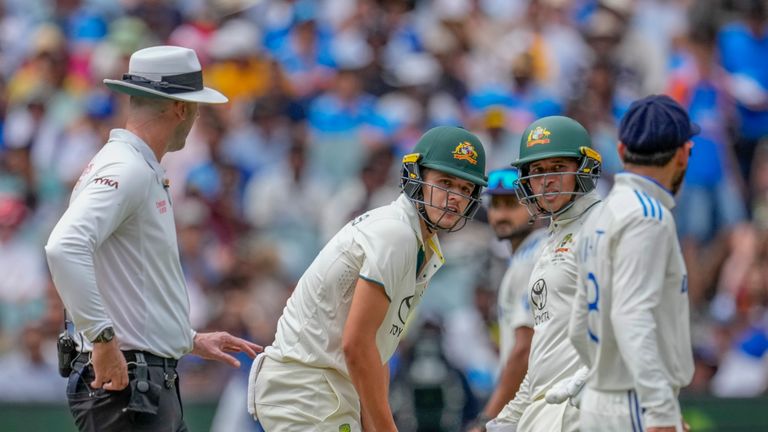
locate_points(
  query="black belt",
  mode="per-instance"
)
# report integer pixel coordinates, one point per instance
(151, 359)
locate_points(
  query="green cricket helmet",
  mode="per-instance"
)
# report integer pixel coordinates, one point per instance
(556, 137)
(451, 150)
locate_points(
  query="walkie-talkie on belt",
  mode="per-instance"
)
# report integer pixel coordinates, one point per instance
(66, 348)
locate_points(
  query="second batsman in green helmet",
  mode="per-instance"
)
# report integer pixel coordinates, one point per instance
(349, 310)
(558, 174)
(557, 165)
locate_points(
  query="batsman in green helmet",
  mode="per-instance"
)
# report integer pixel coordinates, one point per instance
(443, 153)
(327, 369)
(557, 165)
(558, 174)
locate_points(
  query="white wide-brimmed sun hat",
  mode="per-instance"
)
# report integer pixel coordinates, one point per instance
(167, 72)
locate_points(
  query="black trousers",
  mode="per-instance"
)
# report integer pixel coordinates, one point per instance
(128, 409)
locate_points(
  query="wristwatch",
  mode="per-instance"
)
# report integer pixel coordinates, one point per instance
(105, 336)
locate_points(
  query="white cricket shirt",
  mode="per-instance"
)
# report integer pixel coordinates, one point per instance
(630, 322)
(383, 245)
(114, 255)
(552, 286)
(551, 289)
(513, 307)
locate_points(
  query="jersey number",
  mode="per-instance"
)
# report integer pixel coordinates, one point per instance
(592, 285)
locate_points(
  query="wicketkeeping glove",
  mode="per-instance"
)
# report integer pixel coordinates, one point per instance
(569, 388)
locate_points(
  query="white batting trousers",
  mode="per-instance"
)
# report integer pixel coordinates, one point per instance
(540, 416)
(612, 411)
(291, 397)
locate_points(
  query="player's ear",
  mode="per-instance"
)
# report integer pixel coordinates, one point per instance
(621, 149)
(684, 153)
(181, 109)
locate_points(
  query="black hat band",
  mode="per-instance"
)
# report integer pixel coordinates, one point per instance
(170, 84)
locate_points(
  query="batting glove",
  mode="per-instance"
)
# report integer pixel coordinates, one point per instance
(568, 389)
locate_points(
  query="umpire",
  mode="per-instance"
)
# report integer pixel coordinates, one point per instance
(114, 258)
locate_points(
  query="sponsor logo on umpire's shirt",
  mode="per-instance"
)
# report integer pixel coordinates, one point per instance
(106, 182)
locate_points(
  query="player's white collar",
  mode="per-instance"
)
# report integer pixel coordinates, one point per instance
(413, 218)
(129, 137)
(579, 207)
(647, 185)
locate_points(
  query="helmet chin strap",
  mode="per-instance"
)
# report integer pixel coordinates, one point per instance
(563, 209)
(432, 226)
(416, 195)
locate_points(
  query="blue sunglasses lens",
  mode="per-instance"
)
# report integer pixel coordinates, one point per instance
(502, 180)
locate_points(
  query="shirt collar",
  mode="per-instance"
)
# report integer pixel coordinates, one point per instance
(648, 185)
(129, 137)
(580, 206)
(413, 219)
(411, 215)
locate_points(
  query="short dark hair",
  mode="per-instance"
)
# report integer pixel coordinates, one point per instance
(657, 159)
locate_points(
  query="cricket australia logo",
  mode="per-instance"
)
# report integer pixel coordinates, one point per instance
(465, 151)
(539, 302)
(563, 247)
(539, 135)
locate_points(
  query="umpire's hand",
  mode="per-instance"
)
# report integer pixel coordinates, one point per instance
(109, 367)
(215, 346)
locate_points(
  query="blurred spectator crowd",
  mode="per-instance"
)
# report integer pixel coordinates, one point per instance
(325, 97)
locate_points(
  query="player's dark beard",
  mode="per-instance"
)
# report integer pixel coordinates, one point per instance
(517, 234)
(677, 181)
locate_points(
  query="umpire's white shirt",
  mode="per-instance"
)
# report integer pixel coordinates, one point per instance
(113, 254)
(514, 307)
(630, 322)
(383, 245)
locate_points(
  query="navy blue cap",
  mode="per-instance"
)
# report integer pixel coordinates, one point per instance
(656, 124)
(502, 182)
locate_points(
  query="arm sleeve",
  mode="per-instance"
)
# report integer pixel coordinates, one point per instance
(93, 215)
(388, 247)
(641, 257)
(521, 308)
(514, 409)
